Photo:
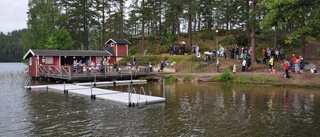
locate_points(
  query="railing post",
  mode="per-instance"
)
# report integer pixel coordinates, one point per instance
(95, 78)
(148, 67)
(70, 72)
(105, 70)
(119, 69)
(61, 70)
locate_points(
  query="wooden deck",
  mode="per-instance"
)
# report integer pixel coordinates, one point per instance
(70, 73)
(116, 96)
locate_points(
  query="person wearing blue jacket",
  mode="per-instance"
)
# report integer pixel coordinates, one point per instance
(302, 64)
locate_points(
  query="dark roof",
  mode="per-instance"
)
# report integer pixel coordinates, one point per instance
(35, 52)
(108, 49)
(119, 41)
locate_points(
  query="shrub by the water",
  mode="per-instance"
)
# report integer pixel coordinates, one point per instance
(170, 78)
(226, 76)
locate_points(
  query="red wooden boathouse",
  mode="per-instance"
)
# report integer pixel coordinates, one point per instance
(114, 51)
(39, 58)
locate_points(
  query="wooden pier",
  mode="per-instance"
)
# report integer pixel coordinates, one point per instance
(108, 72)
(130, 97)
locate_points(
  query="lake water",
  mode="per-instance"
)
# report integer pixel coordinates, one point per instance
(191, 109)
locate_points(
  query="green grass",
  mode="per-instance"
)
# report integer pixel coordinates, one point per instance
(170, 78)
(242, 79)
(188, 78)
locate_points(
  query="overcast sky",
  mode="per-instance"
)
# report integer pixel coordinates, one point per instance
(13, 15)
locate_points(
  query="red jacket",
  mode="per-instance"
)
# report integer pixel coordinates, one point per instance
(293, 59)
(286, 66)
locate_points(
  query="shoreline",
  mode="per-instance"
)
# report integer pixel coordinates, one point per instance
(308, 80)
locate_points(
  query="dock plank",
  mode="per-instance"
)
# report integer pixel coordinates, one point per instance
(111, 95)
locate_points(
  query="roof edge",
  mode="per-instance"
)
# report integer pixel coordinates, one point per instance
(29, 51)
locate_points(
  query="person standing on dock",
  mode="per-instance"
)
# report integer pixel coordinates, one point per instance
(80, 66)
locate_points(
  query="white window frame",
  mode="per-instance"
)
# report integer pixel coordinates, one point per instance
(49, 60)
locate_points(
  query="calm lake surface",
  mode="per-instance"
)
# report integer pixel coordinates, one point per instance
(191, 109)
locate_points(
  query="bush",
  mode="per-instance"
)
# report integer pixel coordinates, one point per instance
(202, 70)
(153, 50)
(194, 58)
(204, 48)
(126, 59)
(168, 40)
(133, 50)
(150, 58)
(163, 49)
(207, 35)
(188, 78)
(226, 76)
(226, 42)
(150, 38)
(241, 40)
(170, 78)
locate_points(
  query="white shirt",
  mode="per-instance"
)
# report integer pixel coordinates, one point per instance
(244, 63)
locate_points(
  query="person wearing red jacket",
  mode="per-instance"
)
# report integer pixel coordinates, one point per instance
(286, 69)
(293, 60)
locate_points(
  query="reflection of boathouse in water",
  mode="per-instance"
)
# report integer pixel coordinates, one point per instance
(61, 64)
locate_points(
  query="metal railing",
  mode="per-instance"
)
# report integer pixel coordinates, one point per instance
(67, 72)
(137, 96)
(27, 82)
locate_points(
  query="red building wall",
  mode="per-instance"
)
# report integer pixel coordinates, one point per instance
(112, 60)
(32, 66)
(119, 50)
(122, 50)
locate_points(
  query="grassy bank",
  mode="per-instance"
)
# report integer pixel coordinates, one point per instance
(297, 80)
(190, 68)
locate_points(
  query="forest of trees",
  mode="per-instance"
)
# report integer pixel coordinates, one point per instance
(92, 22)
(88, 24)
(11, 48)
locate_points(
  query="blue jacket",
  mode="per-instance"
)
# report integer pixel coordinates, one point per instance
(302, 63)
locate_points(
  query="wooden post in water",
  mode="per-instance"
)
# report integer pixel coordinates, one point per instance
(163, 87)
(129, 98)
(92, 96)
(64, 87)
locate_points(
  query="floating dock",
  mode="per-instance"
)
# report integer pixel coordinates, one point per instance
(87, 89)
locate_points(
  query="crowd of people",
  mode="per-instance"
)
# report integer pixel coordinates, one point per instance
(88, 66)
(243, 54)
(174, 50)
(270, 56)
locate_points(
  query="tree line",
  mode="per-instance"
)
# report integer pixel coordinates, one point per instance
(11, 47)
(88, 24)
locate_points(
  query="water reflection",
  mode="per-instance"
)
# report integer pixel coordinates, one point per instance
(245, 109)
(191, 109)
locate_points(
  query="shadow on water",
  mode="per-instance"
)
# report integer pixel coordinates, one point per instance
(191, 109)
